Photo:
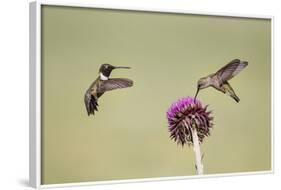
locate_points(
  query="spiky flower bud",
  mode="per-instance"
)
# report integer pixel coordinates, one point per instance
(185, 115)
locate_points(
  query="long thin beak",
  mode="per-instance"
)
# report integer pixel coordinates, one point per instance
(122, 67)
(196, 94)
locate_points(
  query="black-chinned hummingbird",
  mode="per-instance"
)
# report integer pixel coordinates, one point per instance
(103, 84)
(219, 80)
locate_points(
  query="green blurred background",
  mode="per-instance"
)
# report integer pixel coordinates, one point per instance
(128, 138)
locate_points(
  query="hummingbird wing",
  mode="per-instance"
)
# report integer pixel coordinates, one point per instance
(231, 69)
(99, 87)
(114, 83)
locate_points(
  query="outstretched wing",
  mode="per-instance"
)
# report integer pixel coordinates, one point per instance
(114, 83)
(231, 69)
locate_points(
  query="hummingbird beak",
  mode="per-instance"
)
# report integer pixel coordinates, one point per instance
(122, 67)
(196, 94)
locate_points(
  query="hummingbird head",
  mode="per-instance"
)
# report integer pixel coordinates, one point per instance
(201, 84)
(105, 70)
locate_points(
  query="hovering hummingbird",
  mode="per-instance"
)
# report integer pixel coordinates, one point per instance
(219, 80)
(103, 84)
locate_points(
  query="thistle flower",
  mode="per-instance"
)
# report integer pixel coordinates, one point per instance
(186, 114)
(189, 123)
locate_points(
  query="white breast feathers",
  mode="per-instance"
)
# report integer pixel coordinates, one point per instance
(102, 77)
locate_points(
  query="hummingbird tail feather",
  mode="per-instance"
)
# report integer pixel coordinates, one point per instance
(229, 91)
(233, 95)
(235, 98)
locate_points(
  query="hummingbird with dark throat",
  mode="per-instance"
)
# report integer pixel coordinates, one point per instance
(219, 80)
(103, 84)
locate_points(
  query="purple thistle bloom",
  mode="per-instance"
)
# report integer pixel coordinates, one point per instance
(185, 114)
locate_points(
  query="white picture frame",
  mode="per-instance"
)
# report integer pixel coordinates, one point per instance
(35, 91)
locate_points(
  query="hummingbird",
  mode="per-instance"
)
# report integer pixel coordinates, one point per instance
(103, 84)
(219, 80)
